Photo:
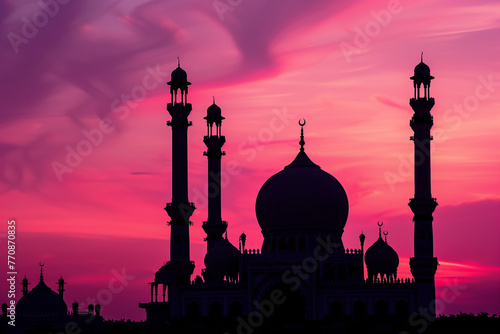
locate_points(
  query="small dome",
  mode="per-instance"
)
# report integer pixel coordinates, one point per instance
(179, 75)
(41, 299)
(422, 69)
(214, 110)
(302, 197)
(178, 78)
(422, 73)
(382, 258)
(223, 256)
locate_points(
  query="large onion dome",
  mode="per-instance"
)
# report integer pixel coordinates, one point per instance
(300, 203)
(302, 197)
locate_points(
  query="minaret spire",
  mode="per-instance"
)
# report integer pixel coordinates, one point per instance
(243, 239)
(25, 285)
(61, 283)
(41, 271)
(179, 209)
(423, 265)
(380, 224)
(214, 227)
(362, 238)
(302, 122)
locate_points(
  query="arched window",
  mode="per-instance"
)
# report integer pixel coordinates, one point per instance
(215, 311)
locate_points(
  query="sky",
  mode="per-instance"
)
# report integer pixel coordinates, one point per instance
(85, 155)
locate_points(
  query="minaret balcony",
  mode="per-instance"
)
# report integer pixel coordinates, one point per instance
(423, 207)
(180, 212)
(179, 105)
(423, 268)
(422, 106)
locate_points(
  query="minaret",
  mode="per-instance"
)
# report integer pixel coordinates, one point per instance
(214, 227)
(25, 285)
(423, 265)
(243, 239)
(177, 272)
(180, 209)
(61, 286)
(362, 238)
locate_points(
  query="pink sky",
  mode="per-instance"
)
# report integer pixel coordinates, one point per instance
(260, 59)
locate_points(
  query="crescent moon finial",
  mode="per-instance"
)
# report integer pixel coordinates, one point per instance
(302, 122)
(386, 233)
(41, 270)
(380, 223)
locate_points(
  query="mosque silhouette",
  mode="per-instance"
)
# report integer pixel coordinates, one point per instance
(303, 279)
(303, 274)
(42, 310)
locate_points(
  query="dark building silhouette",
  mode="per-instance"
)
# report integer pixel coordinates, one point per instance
(42, 310)
(423, 265)
(303, 273)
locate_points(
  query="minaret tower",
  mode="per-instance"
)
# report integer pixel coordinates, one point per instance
(423, 265)
(176, 273)
(180, 209)
(61, 290)
(214, 227)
